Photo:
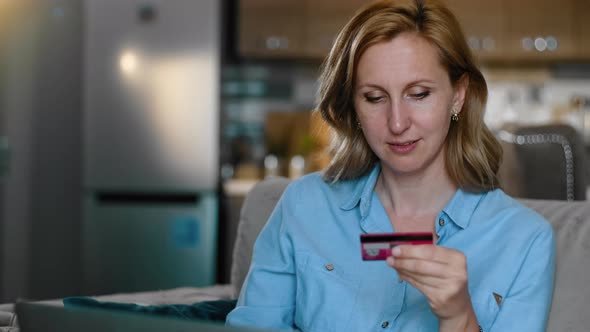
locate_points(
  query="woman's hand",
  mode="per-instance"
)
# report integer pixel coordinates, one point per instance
(441, 275)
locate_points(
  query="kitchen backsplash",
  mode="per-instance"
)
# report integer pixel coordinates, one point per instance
(251, 93)
(540, 100)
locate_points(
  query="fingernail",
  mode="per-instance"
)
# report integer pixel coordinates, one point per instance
(396, 251)
(389, 261)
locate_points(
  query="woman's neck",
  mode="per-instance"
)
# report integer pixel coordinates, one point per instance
(415, 195)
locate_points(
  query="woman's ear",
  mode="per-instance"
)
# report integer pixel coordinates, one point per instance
(460, 92)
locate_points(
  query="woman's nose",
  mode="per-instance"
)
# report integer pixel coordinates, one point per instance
(399, 119)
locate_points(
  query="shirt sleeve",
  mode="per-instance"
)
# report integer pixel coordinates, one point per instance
(267, 298)
(527, 305)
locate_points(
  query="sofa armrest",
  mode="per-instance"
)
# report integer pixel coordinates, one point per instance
(7, 317)
(182, 295)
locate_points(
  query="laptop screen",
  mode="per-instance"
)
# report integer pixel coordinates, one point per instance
(36, 317)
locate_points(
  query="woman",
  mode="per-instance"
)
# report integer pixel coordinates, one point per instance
(411, 153)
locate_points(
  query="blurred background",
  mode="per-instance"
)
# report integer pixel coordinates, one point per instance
(130, 130)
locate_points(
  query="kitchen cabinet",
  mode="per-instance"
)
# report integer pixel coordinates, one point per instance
(345, 6)
(321, 33)
(291, 28)
(484, 33)
(324, 21)
(582, 28)
(268, 28)
(539, 29)
(497, 31)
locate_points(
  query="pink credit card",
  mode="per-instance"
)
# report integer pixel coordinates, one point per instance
(377, 246)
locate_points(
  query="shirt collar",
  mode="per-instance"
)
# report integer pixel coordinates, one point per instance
(461, 207)
(362, 192)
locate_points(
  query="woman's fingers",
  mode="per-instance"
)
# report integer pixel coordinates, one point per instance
(427, 252)
(439, 273)
(421, 281)
(418, 266)
(429, 265)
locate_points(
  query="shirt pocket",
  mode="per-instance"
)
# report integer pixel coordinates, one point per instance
(486, 306)
(326, 294)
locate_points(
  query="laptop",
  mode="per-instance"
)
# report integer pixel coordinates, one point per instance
(37, 317)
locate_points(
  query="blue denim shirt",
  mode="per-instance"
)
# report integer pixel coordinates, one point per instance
(510, 254)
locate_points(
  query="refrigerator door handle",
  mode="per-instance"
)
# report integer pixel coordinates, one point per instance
(4, 156)
(143, 198)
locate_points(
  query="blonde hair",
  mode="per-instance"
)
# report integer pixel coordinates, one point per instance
(473, 154)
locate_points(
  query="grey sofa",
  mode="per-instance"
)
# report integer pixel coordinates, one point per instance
(552, 152)
(571, 222)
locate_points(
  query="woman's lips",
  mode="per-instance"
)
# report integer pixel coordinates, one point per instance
(403, 147)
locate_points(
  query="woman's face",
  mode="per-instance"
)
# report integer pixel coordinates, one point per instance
(403, 99)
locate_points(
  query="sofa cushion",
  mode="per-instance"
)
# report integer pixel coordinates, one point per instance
(571, 223)
(206, 310)
(256, 209)
(7, 317)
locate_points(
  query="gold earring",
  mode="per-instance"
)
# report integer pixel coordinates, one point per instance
(455, 115)
(358, 125)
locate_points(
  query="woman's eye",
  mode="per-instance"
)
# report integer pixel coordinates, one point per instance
(373, 99)
(420, 95)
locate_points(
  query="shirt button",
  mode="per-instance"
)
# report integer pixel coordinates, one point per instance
(385, 324)
(329, 267)
(441, 222)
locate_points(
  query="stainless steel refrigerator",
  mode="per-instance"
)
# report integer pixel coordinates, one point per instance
(151, 112)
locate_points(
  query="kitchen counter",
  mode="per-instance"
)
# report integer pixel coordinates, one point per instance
(238, 187)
